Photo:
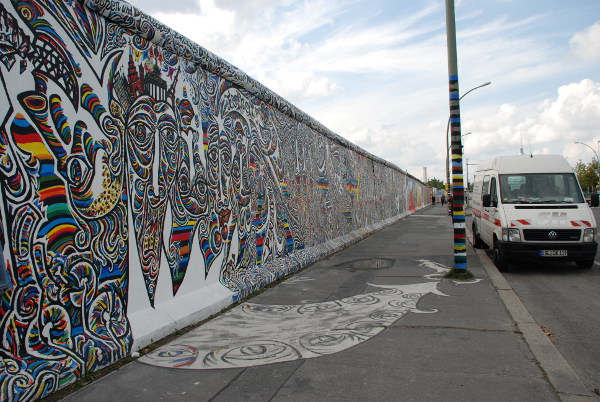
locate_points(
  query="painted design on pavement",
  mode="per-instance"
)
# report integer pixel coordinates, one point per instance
(243, 337)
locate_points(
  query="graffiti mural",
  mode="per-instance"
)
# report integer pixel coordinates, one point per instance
(126, 148)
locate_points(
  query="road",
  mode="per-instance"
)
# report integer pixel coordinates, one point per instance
(565, 301)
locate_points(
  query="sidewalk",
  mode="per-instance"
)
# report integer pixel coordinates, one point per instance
(373, 322)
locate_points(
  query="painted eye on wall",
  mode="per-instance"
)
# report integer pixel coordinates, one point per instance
(225, 156)
(213, 155)
(184, 184)
(141, 130)
(78, 169)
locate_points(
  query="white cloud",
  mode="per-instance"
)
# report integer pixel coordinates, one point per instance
(298, 85)
(264, 39)
(208, 28)
(573, 115)
(586, 44)
(505, 48)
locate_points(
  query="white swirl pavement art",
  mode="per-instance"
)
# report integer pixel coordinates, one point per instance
(440, 269)
(257, 334)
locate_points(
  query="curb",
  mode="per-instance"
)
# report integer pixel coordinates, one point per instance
(561, 376)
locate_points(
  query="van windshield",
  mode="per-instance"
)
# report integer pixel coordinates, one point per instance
(540, 188)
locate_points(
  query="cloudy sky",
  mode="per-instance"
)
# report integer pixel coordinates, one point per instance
(375, 71)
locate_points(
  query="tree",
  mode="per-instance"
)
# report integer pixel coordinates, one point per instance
(436, 183)
(587, 174)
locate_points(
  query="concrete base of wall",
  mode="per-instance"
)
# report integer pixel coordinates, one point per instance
(150, 325)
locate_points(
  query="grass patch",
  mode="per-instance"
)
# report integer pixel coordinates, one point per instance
(461, 275)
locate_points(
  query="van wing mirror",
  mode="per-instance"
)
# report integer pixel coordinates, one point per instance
(487, 201)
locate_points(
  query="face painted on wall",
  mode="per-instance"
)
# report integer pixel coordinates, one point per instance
(221, 185)
(153, 152)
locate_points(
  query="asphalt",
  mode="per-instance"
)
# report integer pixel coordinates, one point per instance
(375, 321)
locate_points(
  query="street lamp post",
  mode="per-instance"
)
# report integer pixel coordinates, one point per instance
(448, 135)
(454, 127)
(462, 135)
(467, 168)
(448, 153)
(594, 151)
(467, 181)
(458, 189)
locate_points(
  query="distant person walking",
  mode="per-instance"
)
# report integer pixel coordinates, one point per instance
(443, 199)
(433, 199)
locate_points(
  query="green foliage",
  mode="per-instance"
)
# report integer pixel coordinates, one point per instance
(587, 174)
(462, 274)
(436, 183)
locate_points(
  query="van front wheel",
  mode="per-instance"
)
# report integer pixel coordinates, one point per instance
(499, 261)
(585, 264)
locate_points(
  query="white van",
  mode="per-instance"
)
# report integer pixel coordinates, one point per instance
(532, 208)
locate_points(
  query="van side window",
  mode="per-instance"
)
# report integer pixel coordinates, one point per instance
(475, 188)
(486, 185)
(493, 191)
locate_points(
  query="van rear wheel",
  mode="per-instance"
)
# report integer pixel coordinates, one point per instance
(499, 261)
(477, 242)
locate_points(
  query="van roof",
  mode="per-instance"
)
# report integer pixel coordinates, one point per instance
(527, 164)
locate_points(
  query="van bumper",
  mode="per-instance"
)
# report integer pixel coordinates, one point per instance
(532, 251)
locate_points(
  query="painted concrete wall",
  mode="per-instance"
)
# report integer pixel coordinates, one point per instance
(146, 184)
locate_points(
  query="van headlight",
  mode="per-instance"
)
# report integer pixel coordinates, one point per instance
(589, 235)
(511, 234)
(514, 235)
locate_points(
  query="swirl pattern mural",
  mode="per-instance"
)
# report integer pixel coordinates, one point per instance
(243, 337)
(125, 148)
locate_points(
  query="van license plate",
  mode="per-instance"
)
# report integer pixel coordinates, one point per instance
(553, 253)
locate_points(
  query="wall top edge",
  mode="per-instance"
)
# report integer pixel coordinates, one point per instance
(139, 23)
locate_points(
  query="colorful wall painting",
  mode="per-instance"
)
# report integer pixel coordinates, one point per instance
(136, 167)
